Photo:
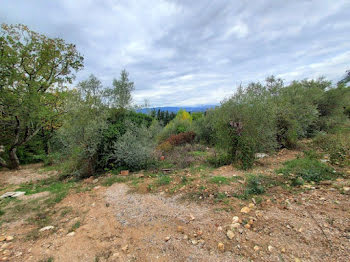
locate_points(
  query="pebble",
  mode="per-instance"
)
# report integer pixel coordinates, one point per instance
(9, 238)
(245, 210)
(251, 205)
(192, 217)
(346, 189)
(230, 234)
(235, 219)
(235, 225)
(167, 238)
(194, 242)
(71, 234)
(2, 238)
(185, 237)
(180, 229)
(270, 248)
(256, 248)
(220, 228)
(125, 248)
(46, 228)
(221, 246)
(247, 226)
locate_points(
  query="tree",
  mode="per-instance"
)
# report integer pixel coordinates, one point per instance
(33, 69)
(346, 78)
(120, 94)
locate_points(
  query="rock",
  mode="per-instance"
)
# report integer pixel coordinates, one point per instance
(256, 248)
(247, 226)
(5, 245)
(234, 226)
(12, 194)
(297, 260)
(251, 205)
(192, 217)
(245, 210)
(283, 250)
(97, 187)
(167, 238)
(95, 181)
(235, 219)
(270, 248)
(219, 228)
(261, 155)
(194, 242)
(230, 234)
(9, 238)
(180, 229)
(346, 189)
(71, 234)
(46, 228)
(185, 237)
(125, 248)
(221, 246)
(2, 238)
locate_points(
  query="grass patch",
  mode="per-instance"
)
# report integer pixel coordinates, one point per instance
(75, 226)
(163, 180)
(199, 153)
(115, 179)
(220, 180)
(307, 169)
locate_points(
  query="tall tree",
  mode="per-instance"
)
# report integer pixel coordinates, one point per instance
(33, 70)
(120, 94)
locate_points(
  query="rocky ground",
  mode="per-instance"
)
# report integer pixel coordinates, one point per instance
(127, 222)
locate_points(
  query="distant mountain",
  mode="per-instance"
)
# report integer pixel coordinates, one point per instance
(175, 109)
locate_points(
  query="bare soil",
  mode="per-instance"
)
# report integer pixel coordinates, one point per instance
(127, 223)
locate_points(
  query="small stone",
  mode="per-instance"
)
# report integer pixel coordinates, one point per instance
(283, 250)
(97, 187)
(297, 260)
(2, 238)
(194, 242)
(125, 248)
(219, 228)
(167, 239)
(185, 237)
(46, 228)
(180, 229)
(192, 217)
(230, 234)
(9, 238)
(245, 210)
(247, 226)
(256, 248)
(116, 254)
(201, 241)
(346, 189)
(251, 221)
(221, 246)
(270, 248)
(234, 226)
(71, 234)
(235, 219)
(251, 205)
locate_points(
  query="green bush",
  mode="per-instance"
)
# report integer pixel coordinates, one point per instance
(134, 149)
(308, 169)
(220, 159)
(255, 185)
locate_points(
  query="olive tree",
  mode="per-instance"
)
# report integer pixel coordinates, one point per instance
(33, 71)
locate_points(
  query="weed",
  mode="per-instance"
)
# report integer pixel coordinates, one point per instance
(307, 169)
(75, 226)
(163, 180)
(220, 180)
(65, 211)
(2, 212)
(254, 185)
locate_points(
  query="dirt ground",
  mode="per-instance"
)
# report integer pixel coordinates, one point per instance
(119, 224)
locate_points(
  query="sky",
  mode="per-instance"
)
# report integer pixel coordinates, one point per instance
(195, 52)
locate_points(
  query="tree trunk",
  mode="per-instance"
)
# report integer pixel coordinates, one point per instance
(14, 161)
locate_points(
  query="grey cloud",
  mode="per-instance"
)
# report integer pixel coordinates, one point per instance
(181, 52)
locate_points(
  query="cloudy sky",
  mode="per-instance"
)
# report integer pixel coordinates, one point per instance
(192, 52)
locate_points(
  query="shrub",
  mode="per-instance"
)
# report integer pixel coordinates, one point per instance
(219, 160)
(165, 146)
(182, 138)
(255, 185)
(309, 169)
(134, 149)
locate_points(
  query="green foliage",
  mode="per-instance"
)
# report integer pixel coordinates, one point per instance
(180, 124)
(220, 180)
(307, 169)
(75, 226)
(33, 69)
(120, 95)
(255, 185)
(133, 149)
(163, 180)
(219, 160)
